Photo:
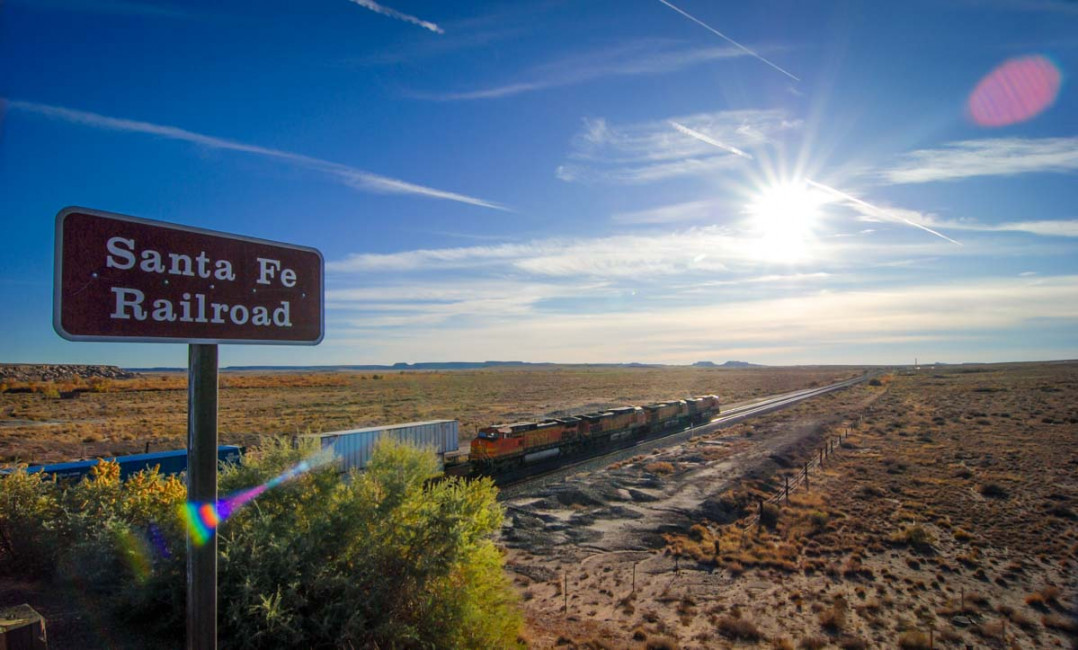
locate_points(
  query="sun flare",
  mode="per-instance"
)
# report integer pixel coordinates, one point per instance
(783, 216)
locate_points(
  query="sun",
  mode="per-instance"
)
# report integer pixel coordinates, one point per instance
(783, 217)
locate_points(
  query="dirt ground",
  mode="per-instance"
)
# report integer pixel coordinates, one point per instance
(945, 516)
(124, 416)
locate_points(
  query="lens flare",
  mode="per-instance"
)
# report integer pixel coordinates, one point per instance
(1016, 91)
(202, 519)
(136, 551)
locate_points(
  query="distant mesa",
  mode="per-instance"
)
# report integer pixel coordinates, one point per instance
(728, 364)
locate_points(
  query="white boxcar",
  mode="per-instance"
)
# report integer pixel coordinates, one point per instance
(354, 447)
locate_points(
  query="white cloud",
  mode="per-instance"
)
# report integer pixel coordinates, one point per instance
(1046, 228)
(648, 255)
(643, 57)
(794, 327)
(677, 212)
(1058, 228)
(988, 157)
(441, 258)
(350, 176)
(618, 256)
(393, 13)
(645, 152)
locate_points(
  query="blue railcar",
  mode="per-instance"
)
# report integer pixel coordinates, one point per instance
(170, 462)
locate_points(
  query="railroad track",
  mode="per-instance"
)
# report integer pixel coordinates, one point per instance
(516, 483)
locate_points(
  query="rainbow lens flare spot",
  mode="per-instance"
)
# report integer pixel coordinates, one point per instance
(202, 519)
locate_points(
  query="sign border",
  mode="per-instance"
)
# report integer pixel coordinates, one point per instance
(58, 249)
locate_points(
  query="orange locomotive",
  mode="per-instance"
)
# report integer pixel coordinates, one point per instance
(527, 442)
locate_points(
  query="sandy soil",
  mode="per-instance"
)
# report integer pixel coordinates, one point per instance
(836, 567)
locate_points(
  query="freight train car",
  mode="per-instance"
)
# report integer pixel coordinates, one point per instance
(167, 462)
(353, 448)
(507, 445)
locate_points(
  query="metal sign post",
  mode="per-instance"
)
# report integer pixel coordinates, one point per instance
(202, 488)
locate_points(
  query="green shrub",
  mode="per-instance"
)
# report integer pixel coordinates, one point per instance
(29, 510)
(386, 558)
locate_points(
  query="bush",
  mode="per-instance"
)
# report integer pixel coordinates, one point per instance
(833, 619)
(739, 629)
(386, 558)
(914, 640)
(916, 537)
(119, 542)
(659, 467)
(27, 543)
(818, 520)
(769, 515)
(994, 491)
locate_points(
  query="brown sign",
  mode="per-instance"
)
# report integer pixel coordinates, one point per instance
(122, 278)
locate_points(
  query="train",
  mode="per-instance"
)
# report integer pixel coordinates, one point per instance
(166, 462)
(495, 449)
(504, 446)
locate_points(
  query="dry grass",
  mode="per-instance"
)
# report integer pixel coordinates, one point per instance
(121, 416)
(660, 467)
(913, 640)
(957, 484)
(738, 629)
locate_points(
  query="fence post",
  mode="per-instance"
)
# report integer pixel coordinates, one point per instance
(787, 477)
(565, 591)
(821, 458)
(634, 576)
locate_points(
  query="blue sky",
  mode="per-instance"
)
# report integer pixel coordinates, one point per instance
(507, 180)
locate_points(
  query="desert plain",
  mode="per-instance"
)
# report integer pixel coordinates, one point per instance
(940, 509)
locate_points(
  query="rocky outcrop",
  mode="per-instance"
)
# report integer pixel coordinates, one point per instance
(17, 373)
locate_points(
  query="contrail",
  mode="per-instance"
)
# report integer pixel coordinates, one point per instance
(393, 13)
(730, 40)
(349, 176)
(874, 209)
(709, 140)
